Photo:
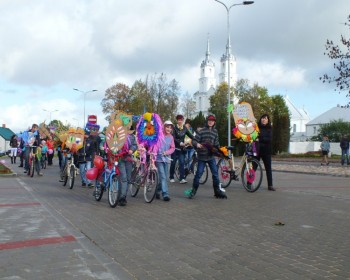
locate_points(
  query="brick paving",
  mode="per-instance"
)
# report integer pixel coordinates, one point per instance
(301, 231)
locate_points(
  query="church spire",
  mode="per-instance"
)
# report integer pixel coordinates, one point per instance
(207, 54)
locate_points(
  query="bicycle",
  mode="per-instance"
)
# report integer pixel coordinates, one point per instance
(193, 169)
(69, 171)
(107, 180)
(249, 169)
(145, 175)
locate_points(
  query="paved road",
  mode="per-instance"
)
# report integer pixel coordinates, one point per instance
(51, 232)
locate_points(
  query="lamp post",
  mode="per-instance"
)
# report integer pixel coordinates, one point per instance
(228, 56)
(50, 113)
(84, 93)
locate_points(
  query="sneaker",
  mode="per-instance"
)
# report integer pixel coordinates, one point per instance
(90, 185)
(183, 181)
(83, 184)
(157, 196)
(122, 201)
(172, 181)
(40, 174)
(166, 198)
(25, 171)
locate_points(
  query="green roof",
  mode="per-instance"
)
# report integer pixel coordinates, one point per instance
(6, 133)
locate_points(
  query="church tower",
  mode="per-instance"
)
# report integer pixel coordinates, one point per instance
(207, 83)
(224, 61)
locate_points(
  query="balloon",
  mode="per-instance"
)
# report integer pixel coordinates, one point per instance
(92, 173)
(50, 151)
(98, 162)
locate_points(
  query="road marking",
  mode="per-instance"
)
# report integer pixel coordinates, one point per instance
(20, 204)
(36, 242)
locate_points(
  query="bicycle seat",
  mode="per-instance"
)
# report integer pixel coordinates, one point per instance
(231, 148)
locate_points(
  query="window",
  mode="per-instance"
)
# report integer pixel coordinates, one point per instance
(294, 128)
(315, 130)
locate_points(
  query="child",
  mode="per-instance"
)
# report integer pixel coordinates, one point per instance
(325, 146)
(163, 159)
(44, 150)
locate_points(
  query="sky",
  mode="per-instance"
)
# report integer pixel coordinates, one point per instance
(50, 47)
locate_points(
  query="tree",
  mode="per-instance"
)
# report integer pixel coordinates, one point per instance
(155, 94)
(341, 64)
(334, 130)
(117, 97)
(218, 106)
(280, 125)
(198, 121)
(188, 105)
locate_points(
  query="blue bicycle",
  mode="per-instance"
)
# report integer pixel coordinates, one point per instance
(108, 180)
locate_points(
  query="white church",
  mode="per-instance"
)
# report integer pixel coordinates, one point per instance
(207, 87)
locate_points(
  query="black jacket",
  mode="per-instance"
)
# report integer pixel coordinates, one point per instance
(179, 136)
(265, 138)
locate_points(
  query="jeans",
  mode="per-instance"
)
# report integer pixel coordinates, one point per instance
(178, 155)
(345, 156)
(163, 168)
(125, 168)
(200, 169)
(83, 167)
(189, 155)
(26, 160)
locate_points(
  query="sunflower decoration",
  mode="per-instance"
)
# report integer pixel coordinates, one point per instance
(74, 139)
(117, 130)
(149, 131)
(246, 128)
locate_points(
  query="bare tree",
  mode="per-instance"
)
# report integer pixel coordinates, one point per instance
(341, 55)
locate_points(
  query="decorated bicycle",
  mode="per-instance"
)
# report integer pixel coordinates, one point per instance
(106, 171)
(249, 168)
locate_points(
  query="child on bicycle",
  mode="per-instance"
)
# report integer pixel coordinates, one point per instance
(162, 161)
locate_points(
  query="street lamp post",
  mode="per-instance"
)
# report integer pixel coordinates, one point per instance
(228, 56)
(50, 113)
(84, 93)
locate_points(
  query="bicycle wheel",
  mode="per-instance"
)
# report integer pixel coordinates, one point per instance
(150, 186)
(224, 172)
(65, 175)
(251, 175)
(99, 188)
(71, 176)
(113, 192)
(203, 179)
(136, 180)
(177, 170)
(32, 167)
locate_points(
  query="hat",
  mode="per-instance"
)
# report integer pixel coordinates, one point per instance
(188, 121)
(179, 117)
(211, 118)
(168, 123)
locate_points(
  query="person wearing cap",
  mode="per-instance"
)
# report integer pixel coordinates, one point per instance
(162, 161)
(204, 140)
(179, 133)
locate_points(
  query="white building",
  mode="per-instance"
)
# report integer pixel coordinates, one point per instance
(207, 80)
(298, 120)
(336, 113)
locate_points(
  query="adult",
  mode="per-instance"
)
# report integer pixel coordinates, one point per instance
(14, 147)
(344, 145)
(264, 141)
(179, 133)
(205, 140)
(31, 137)
(51, 149)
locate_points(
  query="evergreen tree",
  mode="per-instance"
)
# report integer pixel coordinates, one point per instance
(280, 125)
